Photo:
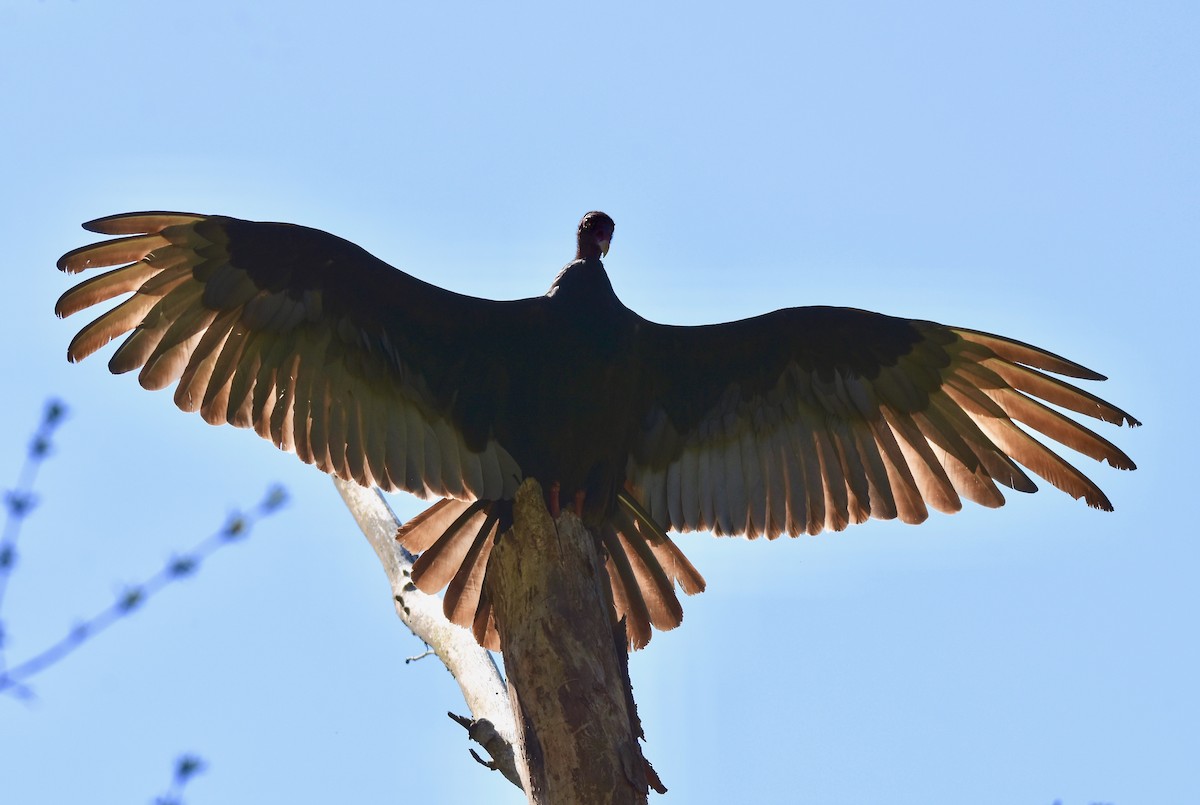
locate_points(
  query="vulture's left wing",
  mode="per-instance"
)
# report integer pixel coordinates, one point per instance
(814, 418)
(327, 351)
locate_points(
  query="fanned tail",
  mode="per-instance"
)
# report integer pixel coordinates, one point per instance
(455, 538)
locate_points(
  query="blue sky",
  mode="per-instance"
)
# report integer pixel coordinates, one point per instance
(1028, 169)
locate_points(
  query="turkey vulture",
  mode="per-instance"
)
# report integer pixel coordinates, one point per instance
(793, 422)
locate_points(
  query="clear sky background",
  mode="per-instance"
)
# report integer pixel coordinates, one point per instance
(1028, 168)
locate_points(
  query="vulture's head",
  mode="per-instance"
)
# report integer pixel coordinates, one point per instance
(595, 233)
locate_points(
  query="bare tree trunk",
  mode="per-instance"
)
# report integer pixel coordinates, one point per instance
(566, 660)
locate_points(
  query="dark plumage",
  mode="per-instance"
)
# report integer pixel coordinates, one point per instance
(792, 422)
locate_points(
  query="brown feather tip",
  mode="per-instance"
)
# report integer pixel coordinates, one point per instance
(1021, 352)
(140, 223)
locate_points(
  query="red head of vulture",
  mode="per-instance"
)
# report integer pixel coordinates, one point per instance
(793, 422)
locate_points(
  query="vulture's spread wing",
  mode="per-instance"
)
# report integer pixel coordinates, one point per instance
(325, 350)
(792, 422)
(814, 418)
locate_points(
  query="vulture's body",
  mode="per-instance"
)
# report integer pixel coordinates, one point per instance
(793, 422)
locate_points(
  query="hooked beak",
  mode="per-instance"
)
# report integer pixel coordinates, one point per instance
(604, 247)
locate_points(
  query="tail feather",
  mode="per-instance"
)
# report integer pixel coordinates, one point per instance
(464, 591)
(442, 560)
(430, 525)
(657, 590)
(628, 598)
(484, 624)
(669, 556)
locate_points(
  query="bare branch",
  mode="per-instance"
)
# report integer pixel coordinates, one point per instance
(478, 677)
(186, 767)
(484, 733)
(236, 527)
(20, 500)
(426, 653)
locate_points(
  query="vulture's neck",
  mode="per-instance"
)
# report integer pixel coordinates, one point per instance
(587, 249)
(583, 279)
